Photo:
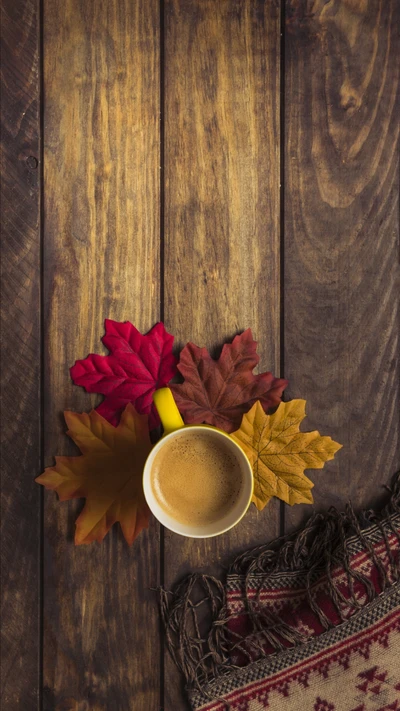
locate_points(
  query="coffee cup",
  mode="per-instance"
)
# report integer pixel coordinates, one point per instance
(197, 480)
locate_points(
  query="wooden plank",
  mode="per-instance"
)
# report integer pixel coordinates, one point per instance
(102, 174)
(341, 239)
(20, 354)
(221, 214)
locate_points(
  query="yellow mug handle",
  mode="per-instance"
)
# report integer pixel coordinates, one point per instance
(166, 407)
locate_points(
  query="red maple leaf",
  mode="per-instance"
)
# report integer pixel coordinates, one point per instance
(220, 392)
(136, 366)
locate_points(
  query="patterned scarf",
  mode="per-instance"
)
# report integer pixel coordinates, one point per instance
(311, 621)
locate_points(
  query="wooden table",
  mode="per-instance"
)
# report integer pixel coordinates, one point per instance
(215, 165)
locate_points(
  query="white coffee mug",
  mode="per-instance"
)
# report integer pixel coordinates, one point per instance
(173, 428)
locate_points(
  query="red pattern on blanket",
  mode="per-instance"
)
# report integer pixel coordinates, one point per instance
(310, 622)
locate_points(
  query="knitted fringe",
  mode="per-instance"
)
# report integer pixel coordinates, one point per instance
(195, 614)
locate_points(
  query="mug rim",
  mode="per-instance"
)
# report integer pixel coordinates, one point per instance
(148, 494)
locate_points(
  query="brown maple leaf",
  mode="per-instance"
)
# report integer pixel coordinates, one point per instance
(108, 474)
(279, 453)
(220, 392)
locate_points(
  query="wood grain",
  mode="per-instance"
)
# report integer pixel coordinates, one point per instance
(101, 181)
(221, 214)
(20, 354)
(102, 257)
(341, 238)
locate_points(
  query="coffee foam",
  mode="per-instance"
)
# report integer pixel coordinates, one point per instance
(196, 478)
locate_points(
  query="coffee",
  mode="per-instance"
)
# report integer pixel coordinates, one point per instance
(196, 477)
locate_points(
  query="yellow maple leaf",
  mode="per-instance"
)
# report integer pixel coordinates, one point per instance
(108, 474)
(279, 452)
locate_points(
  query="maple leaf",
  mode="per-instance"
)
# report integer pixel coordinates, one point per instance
(136, 366)
(108, 474)
(279, 452)
(220, 392)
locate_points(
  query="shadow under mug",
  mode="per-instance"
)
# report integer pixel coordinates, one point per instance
(173, 427)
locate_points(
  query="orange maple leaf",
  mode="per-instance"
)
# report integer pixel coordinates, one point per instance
(108, 474)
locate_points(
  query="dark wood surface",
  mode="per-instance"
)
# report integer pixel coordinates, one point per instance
(101, 255)
(221, 214)
(219, 166)
(341, 228)
(20, 355)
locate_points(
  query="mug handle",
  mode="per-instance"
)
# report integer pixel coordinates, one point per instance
(166, 407)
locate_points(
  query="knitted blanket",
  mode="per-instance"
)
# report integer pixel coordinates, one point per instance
(310, 622)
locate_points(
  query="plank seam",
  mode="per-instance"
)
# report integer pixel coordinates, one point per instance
(162, 303)
(282, 221)
(40, 41)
